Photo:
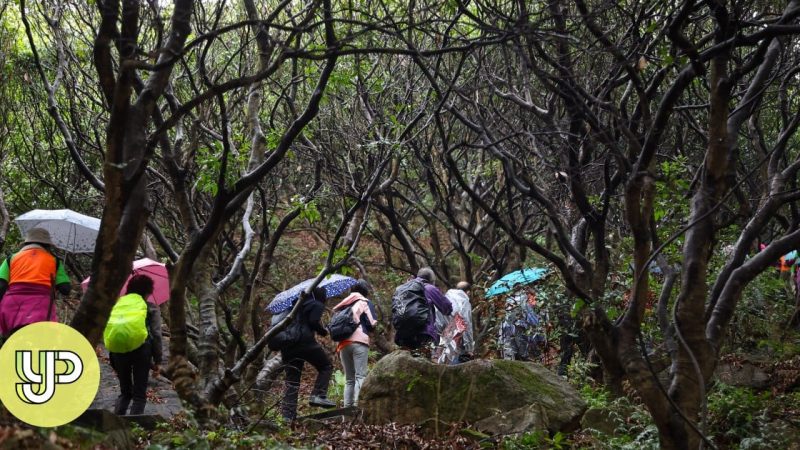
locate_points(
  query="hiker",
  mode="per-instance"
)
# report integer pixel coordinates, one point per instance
(519, 334)
(357, 313)
(572, 335)
(133, 339)
(28, 281)
(305, 348)
(413, 316)
(456, 344)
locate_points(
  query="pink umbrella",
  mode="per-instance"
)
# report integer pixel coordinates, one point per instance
(155, 270)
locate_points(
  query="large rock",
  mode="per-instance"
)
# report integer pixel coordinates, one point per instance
(404, 390)
(114, 427)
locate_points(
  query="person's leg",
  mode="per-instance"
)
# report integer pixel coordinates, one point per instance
(348, 364)
(437, 353)
(508, 349)
(141, 372)
(5, 327)
(293, 367)
(521, 345)
(533, 346)
(121, 364)
(360, 359)
(508, 341)
(426, 346)
(565, 342)
(582, 340)
(316, 356)
(404, 339)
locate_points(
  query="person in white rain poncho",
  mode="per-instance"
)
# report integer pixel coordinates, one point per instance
(457, 343)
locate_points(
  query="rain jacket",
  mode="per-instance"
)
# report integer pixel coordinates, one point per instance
(461, 306)
(26, 288)
(438, 301)
(363, 314)
(310, 316)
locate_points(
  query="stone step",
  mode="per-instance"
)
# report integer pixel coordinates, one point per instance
(146, 421)
(333, 413)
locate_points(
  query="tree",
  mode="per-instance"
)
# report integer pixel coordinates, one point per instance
(611, 116)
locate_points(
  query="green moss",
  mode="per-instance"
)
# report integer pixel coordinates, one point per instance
(421, 386)
(531, 381)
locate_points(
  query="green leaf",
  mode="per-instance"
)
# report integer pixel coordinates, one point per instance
(577, 307)
(310, 212)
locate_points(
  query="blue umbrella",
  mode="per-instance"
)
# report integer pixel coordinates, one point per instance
(334, 285)
(514, 279)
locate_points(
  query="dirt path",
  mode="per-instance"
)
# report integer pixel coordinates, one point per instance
(161, 398)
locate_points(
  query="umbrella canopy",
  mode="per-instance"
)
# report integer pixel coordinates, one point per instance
(153, 269)
(334, 285)
(69, 230)
(514, 279)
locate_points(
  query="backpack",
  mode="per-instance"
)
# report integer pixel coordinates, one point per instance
(289, 336)
(410, 311)
(342, 325)
(126, 329)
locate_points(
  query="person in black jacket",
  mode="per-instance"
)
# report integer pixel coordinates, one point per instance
(133, 368)
(307, 350)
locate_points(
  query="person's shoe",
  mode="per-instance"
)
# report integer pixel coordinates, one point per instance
(137, 408)
(121, 406)
(322, 402)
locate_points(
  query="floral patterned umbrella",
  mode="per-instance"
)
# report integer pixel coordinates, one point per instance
(334, 285)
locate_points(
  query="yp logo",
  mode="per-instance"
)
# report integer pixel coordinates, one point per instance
(39, 388)
(49, 374)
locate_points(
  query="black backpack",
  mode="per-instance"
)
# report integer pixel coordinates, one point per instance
(342, 325)
(291, 335)
(410, 312)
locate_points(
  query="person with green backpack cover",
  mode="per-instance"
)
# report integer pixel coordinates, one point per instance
(133, 339)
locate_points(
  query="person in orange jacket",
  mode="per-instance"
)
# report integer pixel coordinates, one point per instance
(28, 281)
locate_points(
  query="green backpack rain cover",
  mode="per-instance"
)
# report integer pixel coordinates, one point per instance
(126, 329)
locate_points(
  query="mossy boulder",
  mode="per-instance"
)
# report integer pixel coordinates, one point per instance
(405, 390)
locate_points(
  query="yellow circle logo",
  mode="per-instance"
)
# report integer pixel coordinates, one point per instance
(49, 374)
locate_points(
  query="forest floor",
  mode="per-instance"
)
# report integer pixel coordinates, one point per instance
(754, 404)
